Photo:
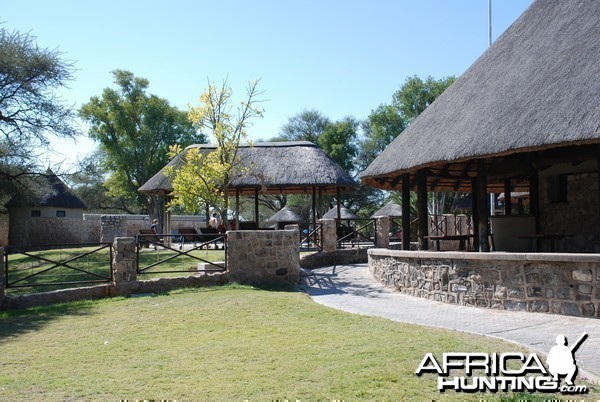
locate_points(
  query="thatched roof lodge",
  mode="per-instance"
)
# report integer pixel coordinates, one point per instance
(292, 167)
(524, 117)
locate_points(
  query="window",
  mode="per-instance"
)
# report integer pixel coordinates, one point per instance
(36, 213)
(61, 214)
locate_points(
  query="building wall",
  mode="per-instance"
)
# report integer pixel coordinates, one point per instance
(567, 284)
(25, 230)
(577, 214)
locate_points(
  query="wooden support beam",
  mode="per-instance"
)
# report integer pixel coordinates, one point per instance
(482, 206)
(534, 198)
(507, 197)
(255, 208)
(423, 229)
(338, 203)
(475, 213)
(406, 211)
(314, 207)
(598, 163)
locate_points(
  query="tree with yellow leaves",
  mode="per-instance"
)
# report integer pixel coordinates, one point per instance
(205, 177)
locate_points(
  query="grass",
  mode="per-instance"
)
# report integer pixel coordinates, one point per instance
(225, 343)
(94, 266)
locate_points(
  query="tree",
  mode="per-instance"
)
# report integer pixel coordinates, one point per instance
(307, 125)
(416, 95)
(30, 109)
(135, 131)
(388, 121)
(338, 140)
(207, 177)
(89, 184)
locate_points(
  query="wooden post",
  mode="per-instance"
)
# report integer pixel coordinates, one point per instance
(314, 208)
(598, 163)
(475, 213)
(338, 204)
(534, 198)
(237, 208)
(206, 214)
(422, 209)
(482, 206)
(406, 211)
(507, 197)
(256, 207)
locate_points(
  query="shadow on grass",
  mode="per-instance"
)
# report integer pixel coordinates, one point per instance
(16, 322)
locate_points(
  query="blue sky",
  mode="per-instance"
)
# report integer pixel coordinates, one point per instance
(342, 58)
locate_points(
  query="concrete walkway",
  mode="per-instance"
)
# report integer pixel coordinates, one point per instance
(352, 288)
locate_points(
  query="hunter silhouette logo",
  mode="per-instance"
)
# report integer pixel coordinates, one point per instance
(561, 359)
(511, 371)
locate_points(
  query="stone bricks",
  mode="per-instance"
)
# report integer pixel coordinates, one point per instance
(502, 281)
(264, 257)
(582, 275)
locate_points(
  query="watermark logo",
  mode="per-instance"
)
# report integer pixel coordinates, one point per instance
(517, 372)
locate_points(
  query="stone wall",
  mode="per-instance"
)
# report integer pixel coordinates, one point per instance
(578, 215)
(264, 257)
(566, 284)
(43, 230)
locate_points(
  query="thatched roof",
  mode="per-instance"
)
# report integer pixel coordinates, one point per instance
(279, 167)
(345, 213)
(390, 209)
(285, 215)
(537, 87)
(55, 193)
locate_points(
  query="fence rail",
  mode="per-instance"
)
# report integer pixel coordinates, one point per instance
(356, 232)
(58, 265)
(163, 250)
(312, 239)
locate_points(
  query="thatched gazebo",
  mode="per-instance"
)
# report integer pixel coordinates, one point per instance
(391, 209)
(285, 216)
(293, 167)
(341, 213)
(524, 117)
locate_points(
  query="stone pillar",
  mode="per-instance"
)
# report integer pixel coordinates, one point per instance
(264, 257)
(382, 231)
(124, 263)
(329, 235)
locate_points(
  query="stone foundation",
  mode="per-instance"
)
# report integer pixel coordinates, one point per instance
(567, 284)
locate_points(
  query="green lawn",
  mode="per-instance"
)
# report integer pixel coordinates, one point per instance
(225, 343)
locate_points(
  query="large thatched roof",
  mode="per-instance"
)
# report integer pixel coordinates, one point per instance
(53, 193)
(276, 167)
(537, 87)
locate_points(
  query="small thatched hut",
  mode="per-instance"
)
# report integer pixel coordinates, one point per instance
(283, 217)
(524, 117)
(293, 167)
(55, 217)
(342, 213)
(391, 209)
